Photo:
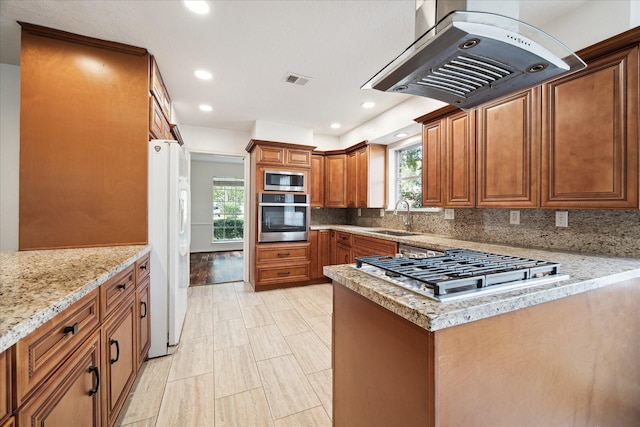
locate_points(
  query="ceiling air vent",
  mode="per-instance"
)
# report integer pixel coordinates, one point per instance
(296, 79)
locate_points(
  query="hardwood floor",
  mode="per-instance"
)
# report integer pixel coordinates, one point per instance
(244, 359)
(215, 267)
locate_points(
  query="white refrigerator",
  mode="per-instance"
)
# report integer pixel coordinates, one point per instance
(169, 237)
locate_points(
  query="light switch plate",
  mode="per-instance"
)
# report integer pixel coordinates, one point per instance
(562, 219)
(449, 214)
(514, 217)
(359, 212)
(381, 212)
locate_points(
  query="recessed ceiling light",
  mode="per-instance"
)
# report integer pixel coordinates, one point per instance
(205, 107)
(401, 134)
(200, 7)
(368, 104)
(336, 125)
(203, 74)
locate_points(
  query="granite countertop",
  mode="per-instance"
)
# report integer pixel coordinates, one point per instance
(37, 285)
(586, 272)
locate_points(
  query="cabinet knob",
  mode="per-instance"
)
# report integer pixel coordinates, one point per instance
(284, 273)
(73, 329)
(143, 304)
(143, 266)
(283, 254)
(122, 287)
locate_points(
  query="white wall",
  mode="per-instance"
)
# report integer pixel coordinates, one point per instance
(269, 131)
(202, 173)
(9, 155)
(215, 141)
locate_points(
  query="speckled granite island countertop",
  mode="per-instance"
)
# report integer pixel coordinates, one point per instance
(37, 285)
(586, 272)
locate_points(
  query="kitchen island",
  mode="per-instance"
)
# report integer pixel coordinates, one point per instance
(562, 353)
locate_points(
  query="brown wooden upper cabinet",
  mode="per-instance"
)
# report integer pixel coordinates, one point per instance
(432, 162)
(449, 150)
(274, 153)
(590, 135)
(159, 90)
(335, 166)
(316, 181)
(508, 147)
(352, 179)
(371, 173)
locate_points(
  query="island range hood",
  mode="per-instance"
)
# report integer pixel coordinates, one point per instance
(468, 58)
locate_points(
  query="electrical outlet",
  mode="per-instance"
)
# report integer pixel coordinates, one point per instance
(449, 214)
(514, 217)
(381, 212)
(562, 219)
(359, 212)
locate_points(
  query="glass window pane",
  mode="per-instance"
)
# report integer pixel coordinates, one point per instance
(228, 208)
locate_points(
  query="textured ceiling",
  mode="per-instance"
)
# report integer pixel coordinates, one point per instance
(250, 46)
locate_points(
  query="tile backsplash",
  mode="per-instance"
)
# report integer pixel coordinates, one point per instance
(614, 233)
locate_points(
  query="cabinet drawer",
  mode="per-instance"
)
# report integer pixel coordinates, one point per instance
(291, 273)
(344, 238)
(47, 347)
(373, 246)
(116, 290)
(142, 269)
(282, 253)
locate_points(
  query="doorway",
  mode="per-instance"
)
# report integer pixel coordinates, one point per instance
(218, 200)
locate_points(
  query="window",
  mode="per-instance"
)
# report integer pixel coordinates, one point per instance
(408, 175)
(228, 209)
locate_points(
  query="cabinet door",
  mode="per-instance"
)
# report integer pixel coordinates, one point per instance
(432, 159)
(5, 385)
(508, 147)
(269, 155)
(352, 180)
(298, 158)
(316, 182)
(590, 136)
(144, 319)
(343, 254)
(120, 358)
(313, 254)
(324, 242)
(461, 157)
(336, 181)
(72, 397)
(362, 177)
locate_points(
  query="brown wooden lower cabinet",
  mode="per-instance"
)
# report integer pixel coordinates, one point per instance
(120, 358)
(11, 422)
(6, 402)
(72, 397)
(75, 370)
(572, 361)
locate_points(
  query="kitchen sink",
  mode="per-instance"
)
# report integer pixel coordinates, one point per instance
(393, 232)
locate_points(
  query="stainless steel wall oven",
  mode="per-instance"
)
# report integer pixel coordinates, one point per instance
(283, 217)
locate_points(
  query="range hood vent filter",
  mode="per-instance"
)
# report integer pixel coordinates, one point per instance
(470, 58)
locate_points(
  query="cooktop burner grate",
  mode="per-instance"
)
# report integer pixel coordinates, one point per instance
(461, 269)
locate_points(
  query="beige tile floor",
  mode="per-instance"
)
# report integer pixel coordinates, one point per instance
(245, 359)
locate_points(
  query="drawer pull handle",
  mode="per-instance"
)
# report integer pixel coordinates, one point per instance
(96, 372)
(117, 350)
(71, 329)
(122, 287)
(283, 254)
(143, 304)
(143, 266)
(284, 273)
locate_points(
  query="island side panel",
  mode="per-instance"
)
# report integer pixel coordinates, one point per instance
(573, 361)
(382, 366)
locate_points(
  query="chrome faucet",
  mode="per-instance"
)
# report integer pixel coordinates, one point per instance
(405, 220)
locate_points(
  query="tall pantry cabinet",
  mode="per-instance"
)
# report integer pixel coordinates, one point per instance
(84, 126)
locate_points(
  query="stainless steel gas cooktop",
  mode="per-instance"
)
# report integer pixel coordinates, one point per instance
(460, 273)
